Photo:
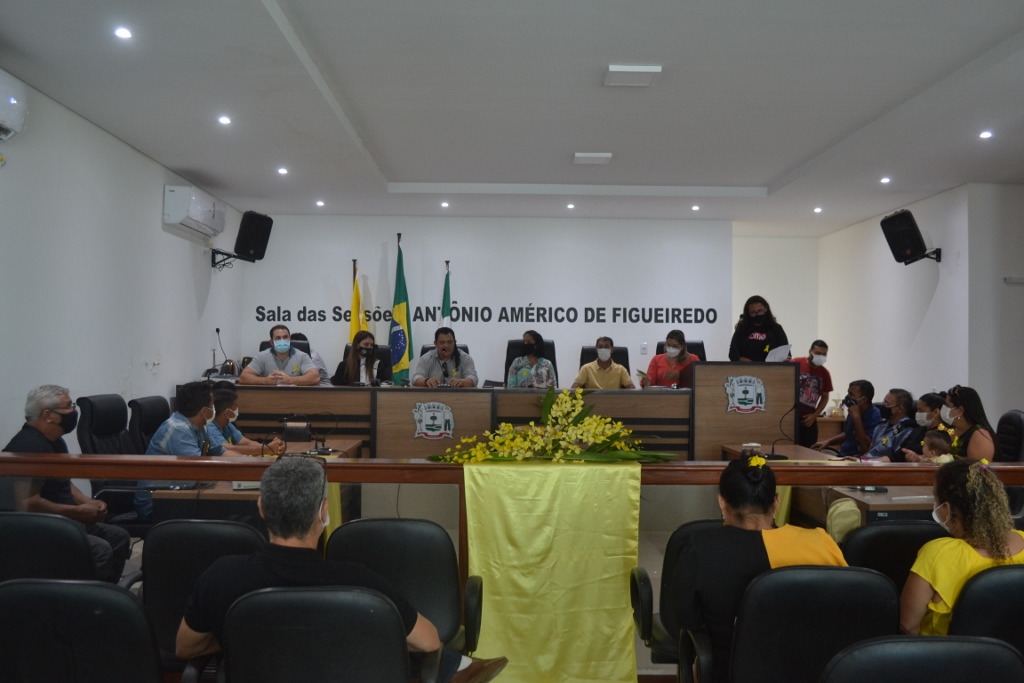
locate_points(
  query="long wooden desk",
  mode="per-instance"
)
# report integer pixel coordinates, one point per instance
(811, 503)
(732, 451)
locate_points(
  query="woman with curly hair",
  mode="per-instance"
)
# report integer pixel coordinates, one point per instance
(972, 507)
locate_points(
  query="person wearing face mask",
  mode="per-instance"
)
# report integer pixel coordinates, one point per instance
(888, 438)
(603, 373)
(862, 418)
(757, 332)
(293, 503)
(183, 433)
(533, 370)
(927, 417)
(970, 504)
(281, 364)
(670, 369)
(362, 365)
(49, 415)
(974, 437)
(814, 387)
(223, 432)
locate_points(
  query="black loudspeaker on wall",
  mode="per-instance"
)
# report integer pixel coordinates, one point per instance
(904, 238)
(253, 235)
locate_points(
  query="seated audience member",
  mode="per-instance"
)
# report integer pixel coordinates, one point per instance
(183, 433)
(321, 367)
(362, 366)
(975, 438)
(223, 432)
(862, 418)
(971, 505)
(668, 369)
(293, 503)
(756, 333)
(49, 415)
(935, 447)
(445, 366)
(889, 436)
(532, 371)
(281, 364)
(927, 417)
(815, 385)
(603, 373)
(715, 566)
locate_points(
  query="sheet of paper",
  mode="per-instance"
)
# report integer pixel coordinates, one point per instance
(778, 354)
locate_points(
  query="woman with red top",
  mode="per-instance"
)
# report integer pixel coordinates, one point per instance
(667, 369)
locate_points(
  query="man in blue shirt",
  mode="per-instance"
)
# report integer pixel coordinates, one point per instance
(896, 426)
(184, 433)
(223, 432)
(862, 418)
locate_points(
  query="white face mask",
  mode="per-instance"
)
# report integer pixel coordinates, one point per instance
(213, 416)
(232, 418)
(944, 413)
(672, 351)
(935, 516)
(923, 419)
(818, 359)
(604, 354)
(327, 520)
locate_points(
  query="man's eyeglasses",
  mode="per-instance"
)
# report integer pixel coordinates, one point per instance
(70, 406)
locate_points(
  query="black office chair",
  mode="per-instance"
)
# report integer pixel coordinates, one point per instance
(1010, 448)
(148, 413)
(297, 344)
(620, 354)
(174, 556)
(430, 347)
(660, 631)
(74, 632)
(103, 425)
(515, 350)
(890, 547)
(383, 370)
(793, 620)
(694, 346)
(418, 558)
(926, 659)
(41, 546)
(316, 635)
(990, 605)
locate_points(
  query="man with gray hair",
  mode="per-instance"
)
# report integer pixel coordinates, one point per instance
(293, 503)
(49, 415)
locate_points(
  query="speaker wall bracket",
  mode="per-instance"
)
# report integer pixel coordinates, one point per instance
(934, 254)
(221, 259)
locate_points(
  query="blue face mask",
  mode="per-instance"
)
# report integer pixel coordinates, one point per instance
(282, 345)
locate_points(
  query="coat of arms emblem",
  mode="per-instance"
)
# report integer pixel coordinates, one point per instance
(433, 421)
(746, 394)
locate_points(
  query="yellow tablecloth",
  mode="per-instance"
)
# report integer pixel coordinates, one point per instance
(554, 544)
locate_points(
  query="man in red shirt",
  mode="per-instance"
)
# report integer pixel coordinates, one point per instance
(814, 387)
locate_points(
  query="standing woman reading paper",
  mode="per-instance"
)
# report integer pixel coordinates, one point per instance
(757, 332)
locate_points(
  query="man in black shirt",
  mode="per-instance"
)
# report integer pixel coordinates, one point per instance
(49, 415)
(293, 503)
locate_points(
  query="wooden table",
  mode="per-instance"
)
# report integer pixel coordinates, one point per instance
(732, 451)
(811, 503)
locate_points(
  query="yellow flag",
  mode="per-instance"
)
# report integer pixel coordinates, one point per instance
(358, 321)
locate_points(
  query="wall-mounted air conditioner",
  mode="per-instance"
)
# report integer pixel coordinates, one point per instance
(194, 210)
(13, 98)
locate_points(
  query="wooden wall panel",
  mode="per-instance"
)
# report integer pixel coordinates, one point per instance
(395, 429)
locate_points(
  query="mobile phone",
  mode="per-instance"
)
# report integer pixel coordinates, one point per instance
(874, 489)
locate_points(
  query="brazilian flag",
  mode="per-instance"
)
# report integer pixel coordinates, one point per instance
(401, 326)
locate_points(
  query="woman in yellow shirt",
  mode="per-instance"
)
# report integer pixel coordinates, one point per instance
(972, 507)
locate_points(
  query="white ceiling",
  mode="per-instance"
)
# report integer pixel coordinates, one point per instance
(764, 109)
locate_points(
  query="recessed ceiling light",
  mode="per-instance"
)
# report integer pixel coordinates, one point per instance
(591, 158)
(817, 209)
(985, 134)
(123, 33)
(225, 120)
(695, 207)
(444, 205)
(886, 179)
(13, 101)
(283, 171)
(570, 206)
(320, 203)
(631, 75)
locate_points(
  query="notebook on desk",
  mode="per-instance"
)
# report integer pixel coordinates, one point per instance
(245, 485)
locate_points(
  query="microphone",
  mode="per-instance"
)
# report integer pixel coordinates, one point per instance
(779, 456)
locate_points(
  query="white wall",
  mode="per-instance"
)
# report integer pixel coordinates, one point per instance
(895, 325)
(996, 318)
(785, 272)
(97, 297)
(497, 263)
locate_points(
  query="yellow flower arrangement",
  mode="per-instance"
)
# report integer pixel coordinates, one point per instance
(567, 432)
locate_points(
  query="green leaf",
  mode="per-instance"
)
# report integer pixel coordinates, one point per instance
(545, 405)
(580, 416)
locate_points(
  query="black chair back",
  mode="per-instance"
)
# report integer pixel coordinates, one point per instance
(793, 620)
(515, 350)
(620, 354)
(103, 425)
(416, 556)
(990, 604)
(296, 344)
(175, 554)
(890, 547)
(1010, 437)
(148, 413)
(667, 602)
(694, 346)
(426, 348)
(75, 632)
(40, 546)
(926, 659)
(314, 635)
